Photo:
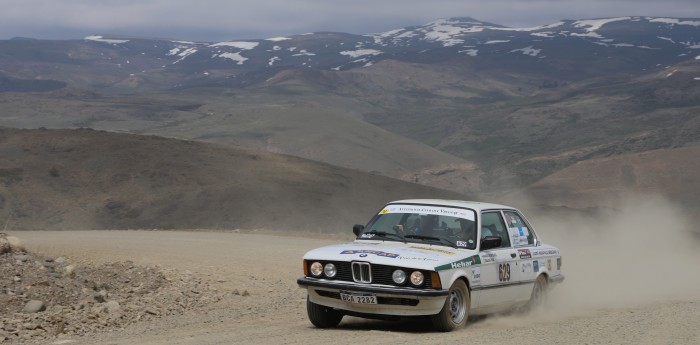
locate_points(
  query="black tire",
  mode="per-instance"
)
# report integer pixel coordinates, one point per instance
(322, 316)
(539, 293)
(455, 311)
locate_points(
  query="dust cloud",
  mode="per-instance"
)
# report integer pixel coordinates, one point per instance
(644, 251)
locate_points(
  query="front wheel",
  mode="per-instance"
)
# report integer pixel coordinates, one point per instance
(456, 309)
(322, 316)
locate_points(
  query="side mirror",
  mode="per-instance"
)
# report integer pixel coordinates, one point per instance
(490, 242)
(358, 228)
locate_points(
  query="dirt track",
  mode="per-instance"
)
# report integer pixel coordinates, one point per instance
(267, 267)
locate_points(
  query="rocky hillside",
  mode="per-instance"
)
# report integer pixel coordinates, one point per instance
(47, 298)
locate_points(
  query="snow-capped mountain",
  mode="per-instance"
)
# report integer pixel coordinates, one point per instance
(570, 48)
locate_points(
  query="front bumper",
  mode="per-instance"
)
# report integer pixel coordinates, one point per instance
(390, 300)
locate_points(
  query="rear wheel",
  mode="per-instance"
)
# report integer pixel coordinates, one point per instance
(539, 293)
(456, 309)
(322, 316)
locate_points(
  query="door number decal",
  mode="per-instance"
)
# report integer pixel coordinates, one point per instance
(504, 272)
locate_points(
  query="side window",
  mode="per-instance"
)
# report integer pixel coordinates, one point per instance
(492, 225)
(522, 236)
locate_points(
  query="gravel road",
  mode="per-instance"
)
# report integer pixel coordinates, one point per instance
(273, 311)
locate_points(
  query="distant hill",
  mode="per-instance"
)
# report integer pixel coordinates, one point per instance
(86, 179)
(460, 104)
(603, 182)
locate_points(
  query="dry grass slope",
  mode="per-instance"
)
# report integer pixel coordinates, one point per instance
(86, 179)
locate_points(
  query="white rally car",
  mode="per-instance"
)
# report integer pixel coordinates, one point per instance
(443, 258)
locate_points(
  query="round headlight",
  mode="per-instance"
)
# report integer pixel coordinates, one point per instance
(316, 269)
(330, 270)
(417, 278)
(399, 276)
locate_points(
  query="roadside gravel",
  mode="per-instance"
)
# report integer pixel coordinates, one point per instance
(254, 299)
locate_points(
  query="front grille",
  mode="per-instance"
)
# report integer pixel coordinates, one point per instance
(380, 274)
(361, 272)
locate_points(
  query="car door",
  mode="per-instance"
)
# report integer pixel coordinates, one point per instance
(523, 239)
(498, 284)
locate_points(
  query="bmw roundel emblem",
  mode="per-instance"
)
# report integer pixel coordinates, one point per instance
(363, 255)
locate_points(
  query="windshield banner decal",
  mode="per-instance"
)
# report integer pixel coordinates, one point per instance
(444, 211)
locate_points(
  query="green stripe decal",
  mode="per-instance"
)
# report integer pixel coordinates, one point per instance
(470, 261)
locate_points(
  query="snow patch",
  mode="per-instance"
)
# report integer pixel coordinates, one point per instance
(666, 39)
(185, 53)
(591, 25)
(303, 52)
(672, 72)
(173, 51)
(239, 45)
(527, 51)
(273, 60)
(445, 31)
(183, 42)
(105, 40)
(235, 57)
(588, 34)
(534, 28)
(696, 78)
(546, 34)
(277, 39)
(470, 52)
(496, 41)
(675, 21)
(360, 52)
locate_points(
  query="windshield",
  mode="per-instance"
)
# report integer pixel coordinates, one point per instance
(448, 226)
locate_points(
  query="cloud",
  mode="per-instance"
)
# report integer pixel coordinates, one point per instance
(213, 20)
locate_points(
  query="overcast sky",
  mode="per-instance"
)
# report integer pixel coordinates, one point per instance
(216, 20)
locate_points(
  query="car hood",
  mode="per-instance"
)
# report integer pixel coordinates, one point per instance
(410, 255)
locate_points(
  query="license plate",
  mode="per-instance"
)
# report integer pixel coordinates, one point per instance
(359, 298)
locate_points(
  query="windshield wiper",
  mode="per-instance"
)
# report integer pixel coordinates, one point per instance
(432, 238)
(383, 234)
(423, 237)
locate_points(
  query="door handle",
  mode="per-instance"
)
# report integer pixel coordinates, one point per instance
(512, 255)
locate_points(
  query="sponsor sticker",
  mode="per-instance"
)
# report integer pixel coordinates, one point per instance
(488, 257)
(526, 267)
(472, 260)
(558, 264)
(462, 243)
(536, 265)
(524, 253)
(545, 252)
(549, 265)
(519, 235)
(476, 275)
(416, 258)
(434, 250)
(369, 251)
(367, 235)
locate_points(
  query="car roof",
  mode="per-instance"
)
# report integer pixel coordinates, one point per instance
(474, 205)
